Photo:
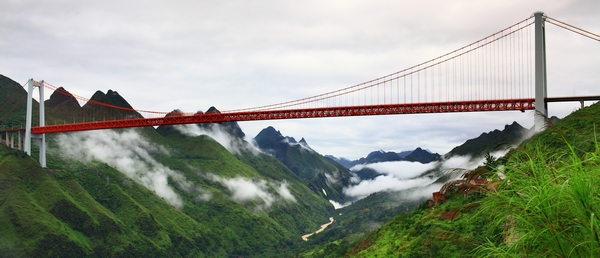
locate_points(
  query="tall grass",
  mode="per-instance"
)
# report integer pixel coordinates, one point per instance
(548, 204)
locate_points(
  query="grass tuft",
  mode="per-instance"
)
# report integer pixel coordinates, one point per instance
(548, 203)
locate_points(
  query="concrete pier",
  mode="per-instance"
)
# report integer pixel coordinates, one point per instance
(12, 139)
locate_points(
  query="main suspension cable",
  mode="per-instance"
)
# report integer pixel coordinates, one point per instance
(572, 28)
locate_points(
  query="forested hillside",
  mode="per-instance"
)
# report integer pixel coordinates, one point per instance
(540, 200)
(322, 175)
(141, 193)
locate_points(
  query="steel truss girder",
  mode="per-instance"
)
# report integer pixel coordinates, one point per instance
(390, 109)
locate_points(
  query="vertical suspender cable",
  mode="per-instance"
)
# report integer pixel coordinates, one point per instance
(439, 87)
(462, 78)
(454, 89)
(447, 81)
(512, 66)
(470, 93)
(411, 87)
(418, 86)
(520, 67)
(497, 58)
(425, 85)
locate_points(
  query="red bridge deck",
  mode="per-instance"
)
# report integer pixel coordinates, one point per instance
(440, 107)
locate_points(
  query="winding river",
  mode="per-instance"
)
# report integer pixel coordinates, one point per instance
(323, 227)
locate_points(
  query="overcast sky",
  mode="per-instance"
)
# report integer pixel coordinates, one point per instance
(190, 55)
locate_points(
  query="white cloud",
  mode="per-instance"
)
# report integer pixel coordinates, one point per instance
(332, 178)
(284, 191)
(384, 183)
(130, 153)
(468, 162)
(233, 145)
(337, 205)
(244, 190)
(398, 169)
(411, 176)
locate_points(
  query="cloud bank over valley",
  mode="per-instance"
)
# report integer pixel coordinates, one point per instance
(244, 190)
(215, 131)
(414, 176)
(130, 153)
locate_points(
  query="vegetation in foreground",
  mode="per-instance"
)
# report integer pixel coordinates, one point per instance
(549, 203)
(541, 200)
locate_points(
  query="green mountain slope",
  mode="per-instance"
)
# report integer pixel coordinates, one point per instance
(540, 200)
(13, 104)
(206, 156)
(323, 176)
(83, 199)
(73, 211)
(140, 193)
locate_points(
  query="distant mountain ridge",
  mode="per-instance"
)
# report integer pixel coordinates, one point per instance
(495, 140)
(416, 155)
(422, 156)
(324, 176)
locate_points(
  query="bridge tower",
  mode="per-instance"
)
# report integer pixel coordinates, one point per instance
(28, 136)
(541, 107)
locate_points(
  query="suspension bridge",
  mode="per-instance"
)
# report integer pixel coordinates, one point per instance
(505, 71)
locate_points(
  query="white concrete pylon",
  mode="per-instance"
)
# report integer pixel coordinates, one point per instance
(541, 107)
(29, 117)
